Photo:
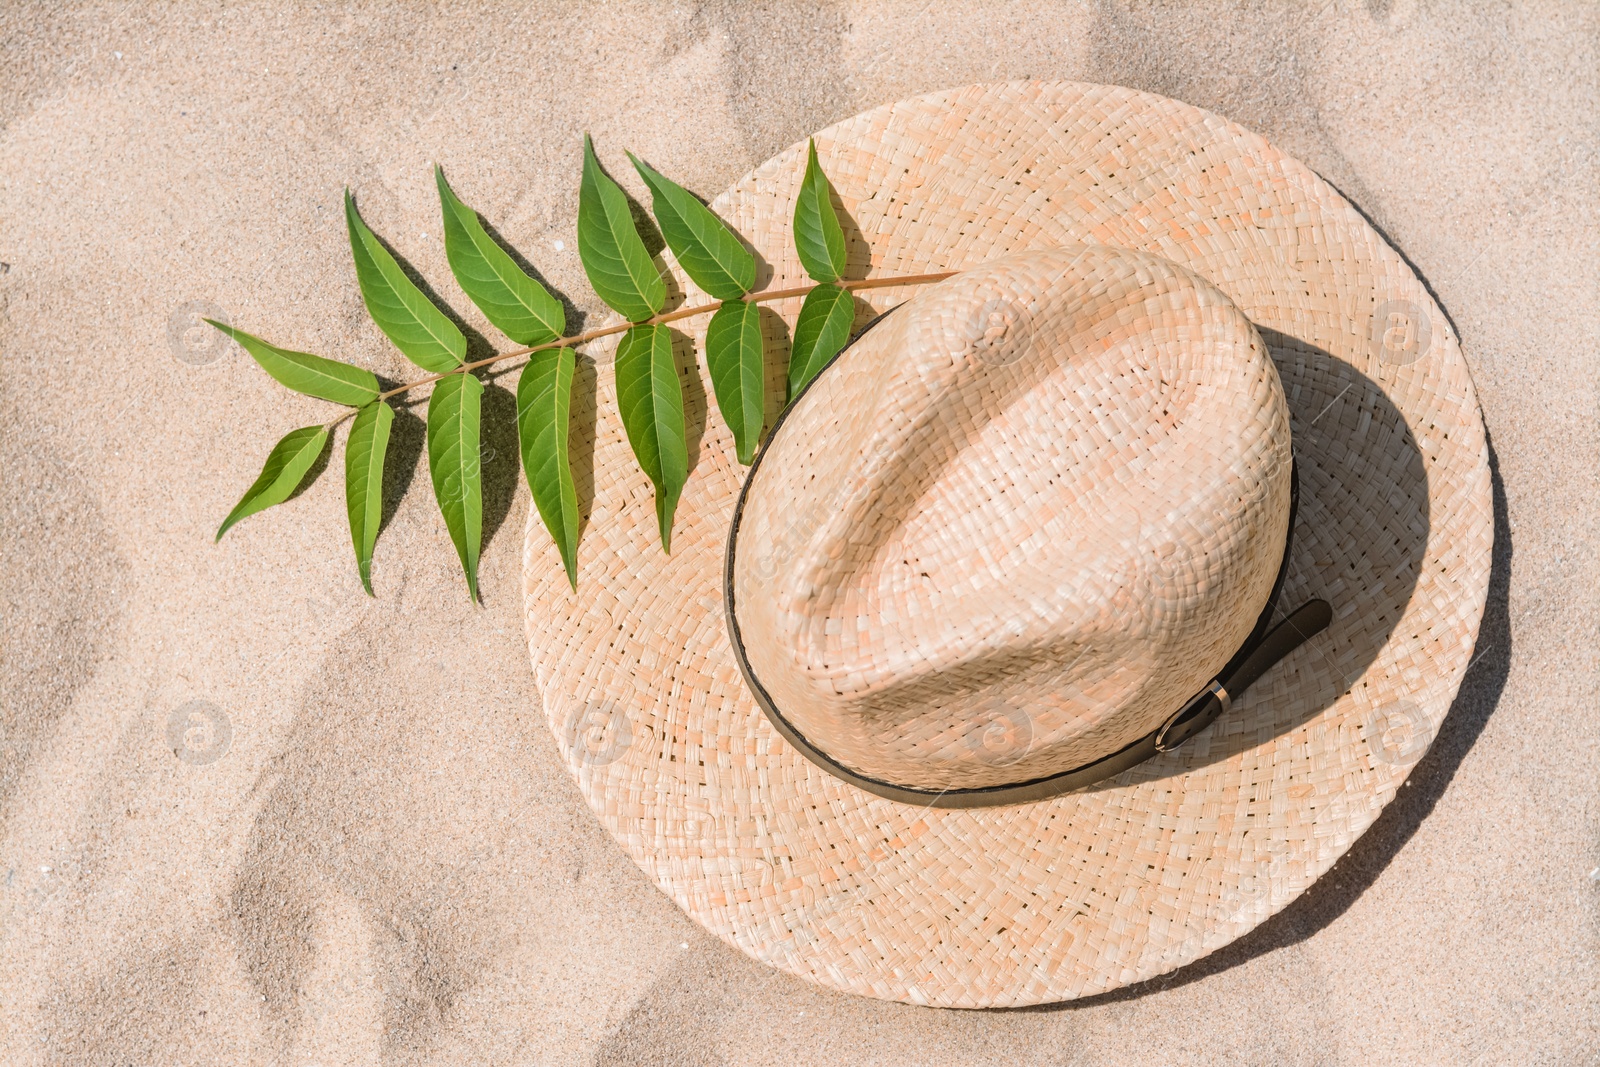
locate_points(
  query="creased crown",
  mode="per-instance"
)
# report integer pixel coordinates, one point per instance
(1015, 526)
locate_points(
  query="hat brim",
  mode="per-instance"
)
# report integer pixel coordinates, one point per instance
(1060, 898)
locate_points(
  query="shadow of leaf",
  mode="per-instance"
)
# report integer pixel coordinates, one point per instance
(500, 462)
(408, 437)
(775, 363)
(696, 403)
(857, 251)
(583, 426)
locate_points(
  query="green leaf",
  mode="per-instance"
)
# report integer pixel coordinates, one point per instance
(734, 348)
(325, 379)
(363, 481)
(822, 329)
(707, 250)
(519, 307)
(650, 398)
(613, 253)
(544, 406)
(455, 465)
(818, 237)
(281, 475)
(414, 323)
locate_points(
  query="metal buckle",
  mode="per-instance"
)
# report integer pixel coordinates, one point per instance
(1191, 715)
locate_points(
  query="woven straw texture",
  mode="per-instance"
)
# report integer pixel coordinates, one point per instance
(1116, 883)
(1018, 525)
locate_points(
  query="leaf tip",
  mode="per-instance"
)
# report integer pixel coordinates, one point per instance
(664, 513)
(351, 215)
(447, 193)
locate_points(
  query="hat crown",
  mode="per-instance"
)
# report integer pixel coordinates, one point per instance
(1018, 523)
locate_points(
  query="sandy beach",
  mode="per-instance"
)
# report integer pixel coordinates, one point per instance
(373, 853)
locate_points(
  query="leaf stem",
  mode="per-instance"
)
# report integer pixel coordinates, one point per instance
(669, 316)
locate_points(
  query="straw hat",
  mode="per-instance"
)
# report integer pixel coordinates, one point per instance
(948, 699)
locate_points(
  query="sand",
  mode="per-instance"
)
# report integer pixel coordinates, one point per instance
(372, 853)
